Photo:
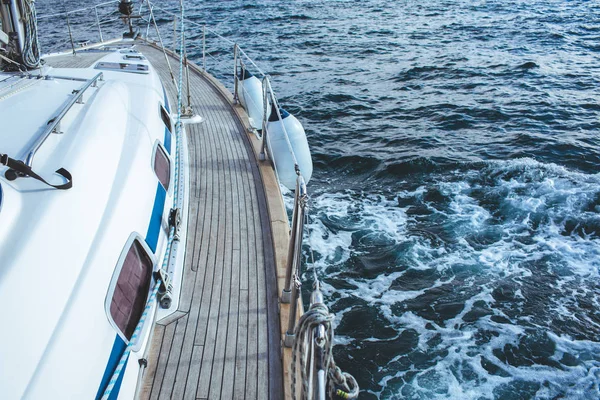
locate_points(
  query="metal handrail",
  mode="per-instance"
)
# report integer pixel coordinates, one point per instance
(54, 123)
(293, 261)
(291, 290)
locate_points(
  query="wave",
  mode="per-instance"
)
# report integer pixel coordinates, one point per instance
(482, 280)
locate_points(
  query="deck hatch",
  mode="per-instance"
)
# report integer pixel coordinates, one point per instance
(130, 287)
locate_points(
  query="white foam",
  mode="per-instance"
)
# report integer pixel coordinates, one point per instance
(535, 201)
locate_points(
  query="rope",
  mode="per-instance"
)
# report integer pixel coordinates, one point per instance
(27, 56)
(180, 86)
(347, 387)
(340, 383)
(31, 46)
(131, 344)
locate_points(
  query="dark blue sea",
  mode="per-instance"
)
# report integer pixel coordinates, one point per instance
(455, 201)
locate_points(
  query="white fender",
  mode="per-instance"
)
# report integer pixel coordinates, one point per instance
(282, 158)
(251, 96)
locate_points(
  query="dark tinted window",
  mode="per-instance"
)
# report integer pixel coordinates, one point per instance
(162, 167)
(129, 298)
(165, 117)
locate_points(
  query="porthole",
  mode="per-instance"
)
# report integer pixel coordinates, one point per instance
(129, 287)
(161, 163)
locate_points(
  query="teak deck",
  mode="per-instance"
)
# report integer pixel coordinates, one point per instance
(224, 340)
(221, 346)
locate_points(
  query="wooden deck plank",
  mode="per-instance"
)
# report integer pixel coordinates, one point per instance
(226, 288)
(252, 350)
(274, 359)
(209, 244)
(163, 356)
(193, 374)
(187, 369)
(189, 274)
(251, 269)
(238, 238)
(222, 347)
(269, 339)
(150, 370)
(263, 350)
(239, 385)
(169, 380)
(250, 276)
(227, 391)
(217, 249)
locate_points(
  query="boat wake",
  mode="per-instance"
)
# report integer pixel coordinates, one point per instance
(480, 283)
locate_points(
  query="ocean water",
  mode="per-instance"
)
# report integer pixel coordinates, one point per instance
(455, 202)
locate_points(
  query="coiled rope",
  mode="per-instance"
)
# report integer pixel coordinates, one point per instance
(317, 315)
(340, 383)
(29, 57)
(31, 47)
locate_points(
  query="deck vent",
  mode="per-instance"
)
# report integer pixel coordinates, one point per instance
(125, 67)
(129, 288)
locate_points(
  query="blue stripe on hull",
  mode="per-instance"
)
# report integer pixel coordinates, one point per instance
(152, 241)
(113, 360)
(119, 345)
(167, 142)
(156, 218)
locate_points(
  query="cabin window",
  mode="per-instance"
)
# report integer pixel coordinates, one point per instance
(129, 290)
(164, 115)
(162, 166)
